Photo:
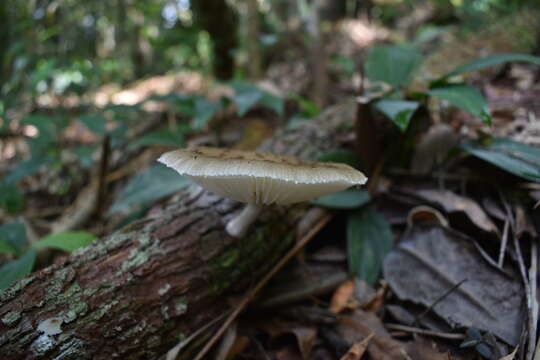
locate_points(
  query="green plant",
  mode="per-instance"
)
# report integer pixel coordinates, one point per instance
(13, 242)
(395, 67)
(390, 70)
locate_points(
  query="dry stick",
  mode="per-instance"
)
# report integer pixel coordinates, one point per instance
(173, 353)
(523, 272)
(251, 294)
(414, 330)
(504, 242)
(532, 281)
(441, 298)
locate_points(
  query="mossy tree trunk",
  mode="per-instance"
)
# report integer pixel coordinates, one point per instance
(136, 293)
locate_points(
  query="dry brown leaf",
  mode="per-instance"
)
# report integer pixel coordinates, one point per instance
(357, 350)
(359, 325)
(453, 203)
(342, 297)
(425, 349)
(377, 301)
(433, 147)
(305, 335)
(431, 260)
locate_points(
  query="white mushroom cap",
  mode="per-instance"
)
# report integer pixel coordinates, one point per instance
(259, 177)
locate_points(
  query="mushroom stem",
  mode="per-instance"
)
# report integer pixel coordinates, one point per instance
(238, 226)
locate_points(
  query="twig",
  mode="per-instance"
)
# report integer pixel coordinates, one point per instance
(253, 292)
(173, 353)
(531, 340)
(414, 330)
(532, 281)
(504, 242)
(441, 298)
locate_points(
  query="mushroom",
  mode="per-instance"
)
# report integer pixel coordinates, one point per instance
(259, 178)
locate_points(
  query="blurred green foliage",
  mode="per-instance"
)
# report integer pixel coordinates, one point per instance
(71, 46)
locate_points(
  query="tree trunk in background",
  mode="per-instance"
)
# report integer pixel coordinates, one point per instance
(220, 21)
(333, 10)
(318, 58)
(137, 292)
(252, 40)
(4, 41)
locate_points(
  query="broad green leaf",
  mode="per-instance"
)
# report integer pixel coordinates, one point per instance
(399, 111)
(246, 100)
(307, 107)
(14, 234)
(26, 168)
(48, 129)
(94, 122)
(393, 65)
(11, 198)
(341, 156)
(17, 269)
(369, 240)
(6, 248)
(346, 199)
(204, 111)
(517, 158)
(465, 98)
(247, 95)
(150, 185)
(490, 61)
(67, 241)
(273, 103)
(162, 137)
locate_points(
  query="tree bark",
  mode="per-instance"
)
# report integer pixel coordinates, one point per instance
(137, 292)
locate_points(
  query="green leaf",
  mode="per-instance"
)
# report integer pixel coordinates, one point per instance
(247, 95)
(17, 269)
(11, 198)
(393, 65)
(48, 130)
(514, 157)
(246, 100)
(346, 199)
(341, 156)
(399, 111)
(67, 241)
(490, 61)
(6, 248)
(204, 111)
(14, 234)
(273, 103)
(150, 185)
(26, 168)
(162, 137)
(94, 122)
(465, 98)
(307, 108)
(369, 240)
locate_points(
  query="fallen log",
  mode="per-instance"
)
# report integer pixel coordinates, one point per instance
(136, 293)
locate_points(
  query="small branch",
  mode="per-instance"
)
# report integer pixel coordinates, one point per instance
(414, 330)
(530, 326)
(504, 243)
(534, 311)
(441, 298)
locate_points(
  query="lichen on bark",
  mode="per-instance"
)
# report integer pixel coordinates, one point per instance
(134, 293)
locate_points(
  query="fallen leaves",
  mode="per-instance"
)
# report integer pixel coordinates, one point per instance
(432, 259)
